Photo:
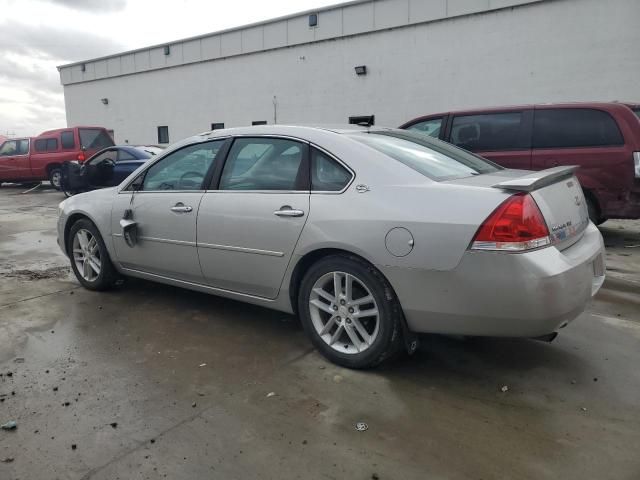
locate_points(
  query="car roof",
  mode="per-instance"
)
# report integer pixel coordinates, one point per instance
(294, 130)
(510, 108)
(58, 130)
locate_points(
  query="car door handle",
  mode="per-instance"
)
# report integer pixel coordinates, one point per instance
(287, 211)
(181, 208)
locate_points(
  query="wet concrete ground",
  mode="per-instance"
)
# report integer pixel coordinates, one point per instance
(150, 381)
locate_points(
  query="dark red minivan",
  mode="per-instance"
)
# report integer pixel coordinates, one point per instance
(603, 139)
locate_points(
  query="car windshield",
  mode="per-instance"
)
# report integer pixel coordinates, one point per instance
(93, 138)
(430, 157)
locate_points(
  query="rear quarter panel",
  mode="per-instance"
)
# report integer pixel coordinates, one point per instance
(441, 218)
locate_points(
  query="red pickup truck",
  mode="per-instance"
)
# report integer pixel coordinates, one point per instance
(40, 158)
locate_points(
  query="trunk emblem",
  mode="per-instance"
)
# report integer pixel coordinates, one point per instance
(578, 200)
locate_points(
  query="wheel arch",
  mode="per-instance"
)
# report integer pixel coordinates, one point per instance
(310, 258)
(51, 166)
(73, 218)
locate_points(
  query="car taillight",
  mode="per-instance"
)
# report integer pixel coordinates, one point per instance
(636, 163)
(81, 157)
(515, 226)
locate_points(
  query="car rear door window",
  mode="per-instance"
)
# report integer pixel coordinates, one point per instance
(40, 145)
(265, 164)
(67, 140)
(489, 132)
(52, 144)
(94, 139)
(574, 127)
(327, 175)
(184, 169)
(431, 127)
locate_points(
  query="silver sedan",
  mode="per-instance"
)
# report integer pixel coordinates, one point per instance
(368, 235)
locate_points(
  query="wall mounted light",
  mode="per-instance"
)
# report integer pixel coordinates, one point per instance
(361, 70)
(167, 50)
(105, 101)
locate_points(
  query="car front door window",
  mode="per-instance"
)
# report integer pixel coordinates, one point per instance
(8, 148)
(184, 169)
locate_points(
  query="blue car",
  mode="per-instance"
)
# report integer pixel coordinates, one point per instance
(107, 168)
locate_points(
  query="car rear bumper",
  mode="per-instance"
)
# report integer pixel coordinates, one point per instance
(499, 294)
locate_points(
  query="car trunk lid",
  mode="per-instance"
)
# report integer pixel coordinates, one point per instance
(559, 196)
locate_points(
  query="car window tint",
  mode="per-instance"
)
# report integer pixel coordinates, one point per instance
(101, 157)
(574, 127)
(262, 164)
(23, 146)
(636, 110)
(430, 157)
(431, 127)
(327, 175)
(67, 140)
(489, 132)
(184, 169)
(9, 148)
(41, 145)
(123, 156)
(52, 144)
(94, 139)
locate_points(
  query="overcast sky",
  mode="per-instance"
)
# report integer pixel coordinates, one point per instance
(38, 35)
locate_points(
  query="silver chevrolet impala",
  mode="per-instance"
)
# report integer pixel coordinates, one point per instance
(368, 235)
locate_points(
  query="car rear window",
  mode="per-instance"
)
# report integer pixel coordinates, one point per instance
(430, 157)
(575, 127)
(95, 139)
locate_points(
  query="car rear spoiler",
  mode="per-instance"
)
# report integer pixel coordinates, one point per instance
(537, 180)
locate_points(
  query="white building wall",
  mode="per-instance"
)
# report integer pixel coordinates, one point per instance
(555, 50)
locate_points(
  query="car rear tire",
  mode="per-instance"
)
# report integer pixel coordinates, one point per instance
(89, 257)
(594, 212)
(55, 178)
(350, 312)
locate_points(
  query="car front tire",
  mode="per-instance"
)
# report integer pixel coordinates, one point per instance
(89, 257)
(350, 312)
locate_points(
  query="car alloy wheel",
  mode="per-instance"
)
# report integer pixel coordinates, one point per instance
(86, 255)
(344, 313)
(56, 179)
